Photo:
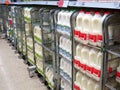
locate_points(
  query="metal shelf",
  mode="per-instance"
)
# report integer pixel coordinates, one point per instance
(36, 3)
(105, 5)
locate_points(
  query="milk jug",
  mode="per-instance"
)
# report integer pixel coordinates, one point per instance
(100, 36)
(37, 33)
(77, 83)
(86, 27)
(90, 84)
(97, 86)
(84, 81)
(38, 49)
(96, 28)
(84, 58)
(62, 63)
(30, 56)
(96, 63)
(91, 62)
(112, 65)
(118, 74)
(62, 84)
(30, 42)
(78, 56)
(79, 25)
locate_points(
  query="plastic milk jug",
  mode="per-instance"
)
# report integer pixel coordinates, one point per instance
(90, 84)
(37, 31)
(96, 28)
(84, 58)
(79, 25)
(78, 56)
(100, 36)
(84, 82)
(86, 27)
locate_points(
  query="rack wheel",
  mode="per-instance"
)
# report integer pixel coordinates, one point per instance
(31, 70)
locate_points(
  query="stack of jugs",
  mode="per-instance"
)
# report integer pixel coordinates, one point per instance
(49, 73)
(118, 74)
(84, 58)
(78, 56)
(87, 27)
(37, 32)
(79, 25)
(65, 47)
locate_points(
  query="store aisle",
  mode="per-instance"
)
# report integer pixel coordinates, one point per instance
(13, 72)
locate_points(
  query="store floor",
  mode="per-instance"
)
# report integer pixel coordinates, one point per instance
(13, 71)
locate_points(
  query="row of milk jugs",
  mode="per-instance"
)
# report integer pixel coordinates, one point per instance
(88, 27)
(89, 61)
(84, 82)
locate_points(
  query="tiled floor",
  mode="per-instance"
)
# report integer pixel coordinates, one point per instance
(13, 72)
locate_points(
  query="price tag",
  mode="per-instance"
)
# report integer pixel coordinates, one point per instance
(63, 3)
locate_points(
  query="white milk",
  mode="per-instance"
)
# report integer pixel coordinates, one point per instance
(30, 42)
(90, 85)
(96, 63)
(78, 82)
(38, 49)
(79, 25)
(30, 56)
(62, 84)
(97, 86)
(37, 32)
(84, 58)
(92, 61)
(100, 36)
(61, 41)
(96, 28)
(86, 27)
(84, 82)
(78, 55)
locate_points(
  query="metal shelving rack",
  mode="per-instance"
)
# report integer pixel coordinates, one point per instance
(48, 45)
(106, 48)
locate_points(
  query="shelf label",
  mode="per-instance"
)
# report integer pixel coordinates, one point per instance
(63, 3)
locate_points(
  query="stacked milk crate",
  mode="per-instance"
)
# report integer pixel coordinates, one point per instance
(37, 40)
(88, 59)
(29, 37)
(65, 48)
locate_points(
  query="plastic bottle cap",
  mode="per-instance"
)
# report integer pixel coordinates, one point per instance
(81, 11)
(97, 13)
(87, 12)
(107, 12)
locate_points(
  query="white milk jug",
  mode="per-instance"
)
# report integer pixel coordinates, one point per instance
(118, 74)
(100, 34)
(96, 28)
(79, 25)
(96, 63)
(78, 56)
(84, 82)
(90, 84)
(86, 27)
(84, 58)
